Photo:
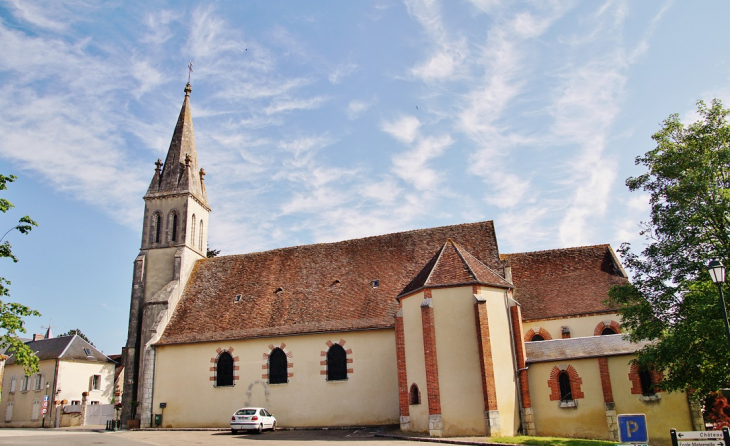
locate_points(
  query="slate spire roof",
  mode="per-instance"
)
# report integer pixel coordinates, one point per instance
(180, 173)
(453, 265)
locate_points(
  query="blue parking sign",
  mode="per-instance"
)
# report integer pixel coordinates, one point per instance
(632, 428)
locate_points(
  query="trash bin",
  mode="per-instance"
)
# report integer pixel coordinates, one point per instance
(158, 419)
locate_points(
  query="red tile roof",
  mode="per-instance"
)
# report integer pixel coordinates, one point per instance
(452, 265)
(564, 282)
(314, 288)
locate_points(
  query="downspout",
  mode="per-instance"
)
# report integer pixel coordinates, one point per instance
(514, 355)
(52, 418)
(152, 386)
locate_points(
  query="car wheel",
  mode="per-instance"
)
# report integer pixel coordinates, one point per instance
(234, 431)
(273, 426)
(260, 429)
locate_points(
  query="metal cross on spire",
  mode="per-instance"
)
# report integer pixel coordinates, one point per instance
(190, 70)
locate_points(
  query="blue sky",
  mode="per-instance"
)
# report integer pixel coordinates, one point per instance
(327, 120)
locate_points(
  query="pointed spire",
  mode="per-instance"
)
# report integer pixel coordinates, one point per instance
(180, 172)
(49, 333)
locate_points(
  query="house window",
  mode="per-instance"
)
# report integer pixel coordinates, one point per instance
(75, 403)
(94, 403)
(192, 232)
(277, 367)
(414, 395)
(25, 383)
(647, 382)
(88, 352)
(224, 370)
(96, 382)
(566, 393)
(37, 382)
(336, 363)
(200, 244)
(13, 383)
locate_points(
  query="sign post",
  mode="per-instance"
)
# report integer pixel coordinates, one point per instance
(632, 429)
(701, 438)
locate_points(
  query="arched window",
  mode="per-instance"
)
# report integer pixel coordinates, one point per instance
(566, 393)
(224, 370)
(173, 226)
(537, 337)
(414, 395)
(336, 363)
(192, 232)
(647, 382)
(157, 222)
(200, 244)
(277, 367)
(608, 331)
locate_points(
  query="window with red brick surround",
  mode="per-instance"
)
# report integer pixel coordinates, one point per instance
(329, 354)
(599, 330)
(635, 378)
(266, 366)
(575, 383)
(228, 376)
(540, 331)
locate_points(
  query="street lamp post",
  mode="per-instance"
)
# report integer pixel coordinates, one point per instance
(717, 272)
(45, 406)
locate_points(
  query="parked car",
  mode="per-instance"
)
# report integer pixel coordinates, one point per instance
(252, 418)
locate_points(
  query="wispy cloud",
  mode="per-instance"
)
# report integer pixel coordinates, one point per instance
(404, 129)
(341, 71)
(357, 107)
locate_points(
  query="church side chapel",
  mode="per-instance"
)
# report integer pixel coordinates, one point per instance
(432, 329)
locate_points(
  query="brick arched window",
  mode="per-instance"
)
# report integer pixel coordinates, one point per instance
(644, 381)
(224, 370)
(414, 396)
(608, 331)
(537, 334)
(278, 367)
(336, 363)
(565, 382)
(607, 328)
(647, 382)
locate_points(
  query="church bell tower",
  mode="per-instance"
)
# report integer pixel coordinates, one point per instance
(174, 237)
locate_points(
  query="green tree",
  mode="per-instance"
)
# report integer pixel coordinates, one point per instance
(671, 298)
(11, 314)
(78, 333)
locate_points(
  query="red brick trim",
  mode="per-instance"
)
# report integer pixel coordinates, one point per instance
(486, 363)
(656, 376)
(323, 353)
(605, 380)
(615, 326)
(575, 382)
(516, 315)
(400, 352)
(289, 357)
(214, 370)
(429, 350)
(541, 331)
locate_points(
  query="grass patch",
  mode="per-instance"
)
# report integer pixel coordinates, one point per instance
(551, 441)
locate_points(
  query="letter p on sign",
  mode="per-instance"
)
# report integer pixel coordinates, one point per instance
(632, 428)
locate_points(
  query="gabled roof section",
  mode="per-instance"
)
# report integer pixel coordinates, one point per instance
(564, 282)
(314, 288)
(70, 348)
(452, 265)
(577, 348)
(180, 173)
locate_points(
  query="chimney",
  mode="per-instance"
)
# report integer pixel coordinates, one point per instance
(38, 337)
(566, 332)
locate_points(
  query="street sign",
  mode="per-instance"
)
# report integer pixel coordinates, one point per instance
(699, 435)
(635, 444)
(701, 443)
(45, 411)
(45, 398)
(632, 428)
(45, 404)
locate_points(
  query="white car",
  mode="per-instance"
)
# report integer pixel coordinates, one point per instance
(252, 418)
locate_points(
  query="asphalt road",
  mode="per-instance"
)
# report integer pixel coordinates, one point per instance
(352, 437)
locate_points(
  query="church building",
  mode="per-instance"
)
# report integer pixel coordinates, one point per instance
(432, 329)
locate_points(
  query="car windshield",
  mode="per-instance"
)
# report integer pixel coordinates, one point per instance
(246, 412)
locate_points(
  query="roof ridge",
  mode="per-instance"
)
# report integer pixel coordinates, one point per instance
(309, 245)
(481, 263)
(67, 345)
(438, 258)
(468, 265)
(603, 245)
